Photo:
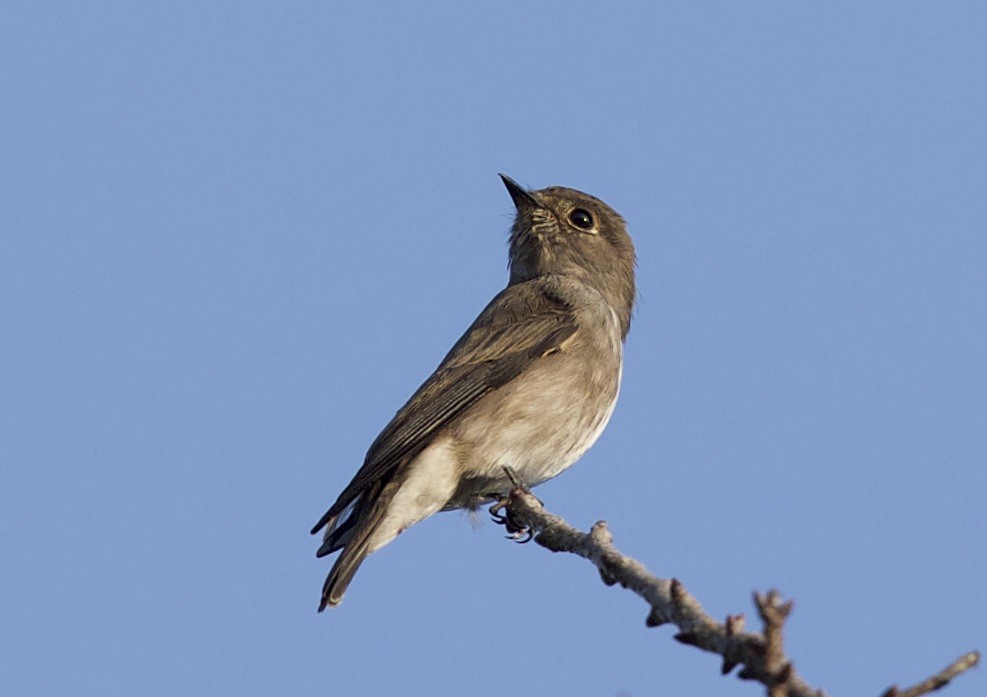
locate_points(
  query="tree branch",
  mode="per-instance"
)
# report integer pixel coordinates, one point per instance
(761, 655)
(940, 679)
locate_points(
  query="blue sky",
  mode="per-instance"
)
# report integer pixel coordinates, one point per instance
(236, 237)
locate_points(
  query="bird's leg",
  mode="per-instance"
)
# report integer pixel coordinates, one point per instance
(518, 484)
(514, 479)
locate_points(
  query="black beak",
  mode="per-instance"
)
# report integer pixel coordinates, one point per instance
(522, 197)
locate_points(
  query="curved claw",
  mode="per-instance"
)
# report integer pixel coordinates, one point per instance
(495, 512)
(528, 534)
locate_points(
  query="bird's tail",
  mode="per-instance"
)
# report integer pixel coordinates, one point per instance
(354, 536)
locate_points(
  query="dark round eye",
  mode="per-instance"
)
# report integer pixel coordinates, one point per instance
(581, 218)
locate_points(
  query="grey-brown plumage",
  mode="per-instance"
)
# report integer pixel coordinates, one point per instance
(530, 385)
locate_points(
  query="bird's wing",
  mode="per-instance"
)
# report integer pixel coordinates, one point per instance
(516, 329)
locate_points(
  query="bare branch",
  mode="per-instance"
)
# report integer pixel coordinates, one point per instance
(940, 679)
(761, 655)
(774, 613)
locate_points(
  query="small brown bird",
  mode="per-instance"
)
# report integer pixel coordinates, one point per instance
(529, 386)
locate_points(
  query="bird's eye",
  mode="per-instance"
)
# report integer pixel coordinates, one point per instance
(581, 219)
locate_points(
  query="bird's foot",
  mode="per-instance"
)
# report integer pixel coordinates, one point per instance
(517, 531)
(502, 514)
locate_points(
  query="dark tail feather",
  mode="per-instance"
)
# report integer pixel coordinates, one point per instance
(355, 534)
(340, 535)
(342, 573)
(324, 520)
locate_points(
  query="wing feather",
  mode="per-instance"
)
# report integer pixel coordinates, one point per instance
(517, 328)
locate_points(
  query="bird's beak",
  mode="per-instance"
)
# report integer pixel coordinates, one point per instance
(522, 197)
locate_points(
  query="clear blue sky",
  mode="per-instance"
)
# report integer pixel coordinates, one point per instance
(237, 236)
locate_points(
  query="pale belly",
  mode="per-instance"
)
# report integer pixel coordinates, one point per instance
(538, 426)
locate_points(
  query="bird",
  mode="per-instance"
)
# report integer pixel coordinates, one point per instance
(524, 392)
